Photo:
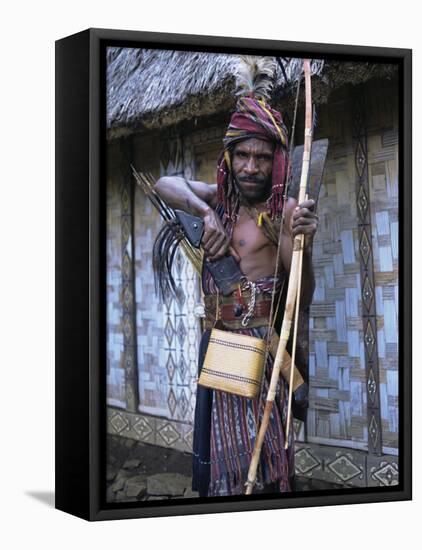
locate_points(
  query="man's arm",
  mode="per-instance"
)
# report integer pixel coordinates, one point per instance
(300, 219)
(199, 199)
(194, 197)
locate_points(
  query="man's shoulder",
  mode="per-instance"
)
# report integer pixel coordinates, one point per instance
(212, 187)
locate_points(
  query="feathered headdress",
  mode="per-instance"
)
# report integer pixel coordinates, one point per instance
(253, 118)
(255, 76)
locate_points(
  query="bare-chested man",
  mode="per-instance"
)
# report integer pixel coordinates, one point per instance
(252, 165)
(225, 424)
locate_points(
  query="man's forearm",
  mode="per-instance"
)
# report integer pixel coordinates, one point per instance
(308, 278)
(199, 199)
(303, 221)
(176, 192)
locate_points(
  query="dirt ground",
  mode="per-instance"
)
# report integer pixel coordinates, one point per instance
(140, 472)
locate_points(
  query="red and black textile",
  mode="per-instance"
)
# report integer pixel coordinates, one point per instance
(226, 426)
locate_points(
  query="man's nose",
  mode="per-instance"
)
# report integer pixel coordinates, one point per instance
(251, 166)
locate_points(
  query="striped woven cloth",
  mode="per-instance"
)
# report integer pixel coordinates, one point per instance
(234, 421)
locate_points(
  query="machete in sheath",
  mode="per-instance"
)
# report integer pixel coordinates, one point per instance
(225, 271)
(316, 169)
(192, 225)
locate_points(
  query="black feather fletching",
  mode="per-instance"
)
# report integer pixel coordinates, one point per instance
(163, 254)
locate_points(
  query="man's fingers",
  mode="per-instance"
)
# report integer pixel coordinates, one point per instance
(219, 254)
(211, 240)
(234, 254)
(213, 231)
(209, 235)
(310, 204)
(304, 220)
(308, 229)
(304, 213)
(213, 246)
(218, 248)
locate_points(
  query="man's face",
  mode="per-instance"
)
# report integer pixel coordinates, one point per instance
(252, 162)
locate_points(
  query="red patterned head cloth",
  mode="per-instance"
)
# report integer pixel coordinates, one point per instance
(253, 118)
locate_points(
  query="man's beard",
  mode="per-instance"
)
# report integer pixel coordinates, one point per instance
(260, 194)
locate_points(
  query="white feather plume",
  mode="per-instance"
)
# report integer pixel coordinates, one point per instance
(255, 75)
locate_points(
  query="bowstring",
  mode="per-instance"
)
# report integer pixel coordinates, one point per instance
(272, 318)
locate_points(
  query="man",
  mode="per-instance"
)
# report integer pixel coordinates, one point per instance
(241, 215)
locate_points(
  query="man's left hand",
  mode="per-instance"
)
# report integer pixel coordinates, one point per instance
(305, 221)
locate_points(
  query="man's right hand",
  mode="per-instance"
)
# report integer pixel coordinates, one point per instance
(215, 240)
(199, 199)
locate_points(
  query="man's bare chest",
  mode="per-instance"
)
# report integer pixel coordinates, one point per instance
(248, 238)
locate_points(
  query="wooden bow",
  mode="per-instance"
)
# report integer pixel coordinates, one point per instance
(292, 300)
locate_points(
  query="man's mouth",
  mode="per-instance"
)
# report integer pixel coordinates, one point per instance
(254, 181)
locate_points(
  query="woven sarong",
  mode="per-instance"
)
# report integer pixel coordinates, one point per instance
(226, 427)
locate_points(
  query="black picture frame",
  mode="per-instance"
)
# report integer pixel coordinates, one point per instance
(80, 274)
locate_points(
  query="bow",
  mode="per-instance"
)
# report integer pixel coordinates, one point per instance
(292, 300)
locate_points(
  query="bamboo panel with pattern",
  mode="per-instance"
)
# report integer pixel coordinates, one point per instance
(115, 367)
(337, 369)
(337, 365)
(384, 214)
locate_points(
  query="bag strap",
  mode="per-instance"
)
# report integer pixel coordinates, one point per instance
(218, 324)
(217, 306)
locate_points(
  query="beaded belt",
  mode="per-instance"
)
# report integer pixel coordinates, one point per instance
(232, 312)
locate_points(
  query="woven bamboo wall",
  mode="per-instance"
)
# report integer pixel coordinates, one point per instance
(115, 365)
(338, 411)
(383, 175)
(167, 335)
(335, 440)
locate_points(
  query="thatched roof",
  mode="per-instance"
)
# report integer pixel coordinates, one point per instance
(156, 88)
